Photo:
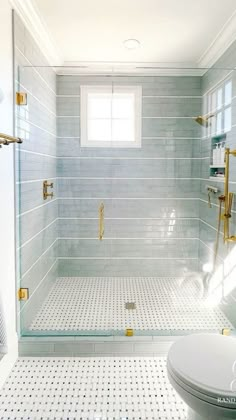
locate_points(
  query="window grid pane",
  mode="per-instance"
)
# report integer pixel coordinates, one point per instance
(111, 117)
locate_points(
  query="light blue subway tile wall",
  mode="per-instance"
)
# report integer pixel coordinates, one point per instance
(220, 72)
(151, 194)
(35, 161)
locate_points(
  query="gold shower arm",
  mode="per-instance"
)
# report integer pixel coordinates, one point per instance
(5, 139)
(101, 221)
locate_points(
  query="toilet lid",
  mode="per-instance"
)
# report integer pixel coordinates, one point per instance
(206, 363)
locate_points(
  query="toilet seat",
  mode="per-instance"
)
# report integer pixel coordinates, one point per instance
(192, 367)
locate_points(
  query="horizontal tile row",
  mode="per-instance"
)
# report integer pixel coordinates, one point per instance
(138, 267)
(151, 85)
(128, 248)
(168, 208)
(151, 107)
(129, 228)
(124, 168)
(157, 147)
(170, 127)
(139, 188)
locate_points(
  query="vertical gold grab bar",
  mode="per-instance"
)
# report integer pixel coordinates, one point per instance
(226, 193)
(101, 221)
(228, 197)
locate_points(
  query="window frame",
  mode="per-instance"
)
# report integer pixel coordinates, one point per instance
(217, 110)
(85, 90)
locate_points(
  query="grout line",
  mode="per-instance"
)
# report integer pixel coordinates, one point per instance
(33, 180)
(108, 178)
(124, 178)
(129, 218)
(154, 117)
(125, 198)
(214, 204)
(126, 258)
(127, 238)
(29, 269)
(111, 157)
(212, 227)
(36, 208)
(35, 125)
(212, 250)
(143, 96)
(36, 98)
(35, 153)
(131, 158)
(38, 286)
(33, 237)
(144, 138)
(35, 69)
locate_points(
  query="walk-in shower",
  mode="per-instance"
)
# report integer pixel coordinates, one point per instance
(115, 238)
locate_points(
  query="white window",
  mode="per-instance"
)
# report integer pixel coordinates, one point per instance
(111, 116)
(219, 104)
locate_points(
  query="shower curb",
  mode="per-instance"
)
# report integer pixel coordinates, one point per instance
(95, 346)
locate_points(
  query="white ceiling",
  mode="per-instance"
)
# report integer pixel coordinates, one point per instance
(170, 31)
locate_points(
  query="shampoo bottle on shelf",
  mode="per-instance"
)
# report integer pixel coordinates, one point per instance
(214, 156)
(222, 154)
(218, 155)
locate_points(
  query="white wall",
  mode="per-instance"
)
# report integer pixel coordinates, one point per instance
(7, 257)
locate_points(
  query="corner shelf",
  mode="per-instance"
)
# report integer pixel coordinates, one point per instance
(220, 167)
(217, 166)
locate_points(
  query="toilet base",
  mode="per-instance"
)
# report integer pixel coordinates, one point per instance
(192, 415)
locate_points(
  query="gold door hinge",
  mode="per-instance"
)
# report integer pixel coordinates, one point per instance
(23, 294)
(226, 331)
(129, 332)
(21, 98)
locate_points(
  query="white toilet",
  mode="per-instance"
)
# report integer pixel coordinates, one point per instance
(202, 369)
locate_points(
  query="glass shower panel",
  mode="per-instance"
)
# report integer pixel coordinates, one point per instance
(127, 239)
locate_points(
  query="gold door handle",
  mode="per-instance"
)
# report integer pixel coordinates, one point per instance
(47, 185)
(101, 221)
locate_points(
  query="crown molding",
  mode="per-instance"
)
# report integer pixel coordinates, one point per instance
(28, 12)
(220, 44)
(30, 15)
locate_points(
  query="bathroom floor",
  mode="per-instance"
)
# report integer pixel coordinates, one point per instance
(99, 304)
(106, 388)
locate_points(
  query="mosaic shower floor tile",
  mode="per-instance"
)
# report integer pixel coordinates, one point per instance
(114, 304)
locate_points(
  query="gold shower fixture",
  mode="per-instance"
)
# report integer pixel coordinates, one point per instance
(203, 120)
(228, 197)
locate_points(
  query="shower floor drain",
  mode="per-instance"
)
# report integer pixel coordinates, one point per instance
(130, 305)
(99, 304)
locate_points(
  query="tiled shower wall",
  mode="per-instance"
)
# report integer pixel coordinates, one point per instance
(209, 216)
(151, 194)
(35, 161)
